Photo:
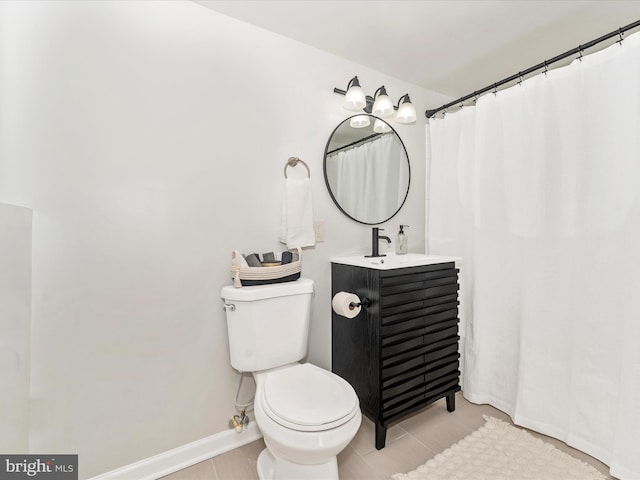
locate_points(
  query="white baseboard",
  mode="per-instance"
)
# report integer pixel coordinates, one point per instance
(184, 456)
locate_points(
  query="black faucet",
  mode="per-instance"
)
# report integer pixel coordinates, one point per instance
(375, 238)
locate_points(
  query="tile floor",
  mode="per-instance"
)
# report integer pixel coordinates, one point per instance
(410, 443)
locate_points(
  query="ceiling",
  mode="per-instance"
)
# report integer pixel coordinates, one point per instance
(449, 46)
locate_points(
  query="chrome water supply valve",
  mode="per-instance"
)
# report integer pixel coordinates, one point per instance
(239, 421)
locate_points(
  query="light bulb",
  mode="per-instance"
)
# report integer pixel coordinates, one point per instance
(406, 111)
(359, 121)
(380, 126)
(382, 106)
(354, 99)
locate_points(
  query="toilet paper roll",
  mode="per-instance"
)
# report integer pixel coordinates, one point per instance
(346, 304)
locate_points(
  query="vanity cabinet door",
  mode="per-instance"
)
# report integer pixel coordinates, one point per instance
(419, 337)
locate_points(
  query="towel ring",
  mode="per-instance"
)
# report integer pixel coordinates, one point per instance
(293, 161)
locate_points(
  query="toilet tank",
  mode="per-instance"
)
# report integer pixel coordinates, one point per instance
(268, 325)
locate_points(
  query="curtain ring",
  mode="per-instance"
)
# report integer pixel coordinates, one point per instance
(621, 35)
(580, 52)
(546, 68)
(495, 88)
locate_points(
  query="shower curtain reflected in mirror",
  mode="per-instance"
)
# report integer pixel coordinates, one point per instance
(538, 188)
(369, 180)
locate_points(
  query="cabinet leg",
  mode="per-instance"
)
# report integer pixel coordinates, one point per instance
(451, 402)
(381, 435)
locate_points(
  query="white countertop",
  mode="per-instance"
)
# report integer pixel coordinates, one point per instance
(392, 260)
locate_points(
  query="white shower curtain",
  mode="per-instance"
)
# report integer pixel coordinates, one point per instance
(366, 179)
(538, 188)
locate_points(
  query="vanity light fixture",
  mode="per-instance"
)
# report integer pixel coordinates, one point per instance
(380, 105)
(354, 97)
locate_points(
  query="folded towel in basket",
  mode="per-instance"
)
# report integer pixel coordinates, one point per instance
(296, 228)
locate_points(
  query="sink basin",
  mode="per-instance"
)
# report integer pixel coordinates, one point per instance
(391, 260)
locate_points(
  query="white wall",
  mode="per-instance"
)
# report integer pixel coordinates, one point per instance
(15, 324)
(149, 138)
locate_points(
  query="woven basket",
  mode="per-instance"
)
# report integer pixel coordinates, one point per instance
(244, 276)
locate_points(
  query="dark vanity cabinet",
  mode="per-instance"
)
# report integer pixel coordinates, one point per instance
(400, 353)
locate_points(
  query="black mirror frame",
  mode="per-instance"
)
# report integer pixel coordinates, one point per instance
(326, 178)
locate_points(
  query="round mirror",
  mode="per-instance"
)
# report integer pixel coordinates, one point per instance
(366, 168)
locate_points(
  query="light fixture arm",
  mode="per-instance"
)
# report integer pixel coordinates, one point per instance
(381, 91)
(369, 107)
(352, 82)
(403, 99)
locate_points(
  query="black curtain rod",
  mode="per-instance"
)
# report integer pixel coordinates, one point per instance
(353, 144)
(518, 76)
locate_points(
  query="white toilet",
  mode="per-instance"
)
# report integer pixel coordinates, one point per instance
(307, 415)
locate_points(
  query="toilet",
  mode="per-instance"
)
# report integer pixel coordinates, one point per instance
(307, 415)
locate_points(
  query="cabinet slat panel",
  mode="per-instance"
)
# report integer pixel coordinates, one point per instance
(404, 398)
(418, 309)
(390, 311)
(419, 401)
(447, 302)
(442, 372)
(417, 277)
(433, 389)
(389, 275)
(408, 365)
(449, 359)
(440, 391)
(425, 353)
(419, 371)
(398, 389)
(406, 376)
(437, 385)
(417, 326)
(400, 410)
(391, 340)
(417, 383)
(420, 285)
(447, 333)
(407, 340)
(407, 347)
(416, 295)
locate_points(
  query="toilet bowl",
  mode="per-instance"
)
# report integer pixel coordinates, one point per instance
(307, 416)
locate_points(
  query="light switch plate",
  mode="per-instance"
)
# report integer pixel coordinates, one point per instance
(318, 228)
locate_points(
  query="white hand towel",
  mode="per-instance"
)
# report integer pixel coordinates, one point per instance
(296, 228)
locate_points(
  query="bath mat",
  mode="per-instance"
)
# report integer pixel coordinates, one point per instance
(500, 451)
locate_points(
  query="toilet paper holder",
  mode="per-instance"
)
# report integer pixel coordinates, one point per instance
(348, 305)
(364, 303)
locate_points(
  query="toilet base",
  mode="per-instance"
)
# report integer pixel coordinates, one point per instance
(272, 468)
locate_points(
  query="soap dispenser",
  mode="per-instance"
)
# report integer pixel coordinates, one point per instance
(402, 242)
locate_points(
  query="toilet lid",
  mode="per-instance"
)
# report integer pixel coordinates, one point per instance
(306, 397)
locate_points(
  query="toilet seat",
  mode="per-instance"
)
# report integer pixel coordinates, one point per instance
(307, 398)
